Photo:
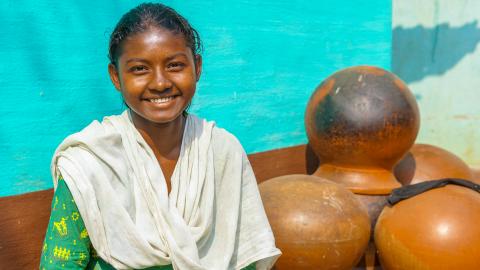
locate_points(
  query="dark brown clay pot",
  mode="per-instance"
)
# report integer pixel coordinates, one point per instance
(317, 224)
(360, 122)
(428, 162)
(437, 229)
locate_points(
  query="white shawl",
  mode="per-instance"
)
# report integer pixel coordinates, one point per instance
(212, 219)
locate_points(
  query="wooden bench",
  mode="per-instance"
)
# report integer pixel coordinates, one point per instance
(24, 218)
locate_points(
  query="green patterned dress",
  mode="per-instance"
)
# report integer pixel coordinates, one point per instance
(67, 245)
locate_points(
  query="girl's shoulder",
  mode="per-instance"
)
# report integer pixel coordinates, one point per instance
(104, 127)
(223, 142)
(223, 138)
(97, 132)
(227, 149)
(220, 136)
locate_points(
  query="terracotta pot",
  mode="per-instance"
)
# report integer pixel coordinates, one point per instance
(437, 229)
(428, 162)
(374, 205)
(476, 174)
(360, 122)
(317, 224)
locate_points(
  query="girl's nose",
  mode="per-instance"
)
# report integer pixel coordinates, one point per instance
(160, 81)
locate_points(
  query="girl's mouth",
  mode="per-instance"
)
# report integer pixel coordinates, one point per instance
(161, 100)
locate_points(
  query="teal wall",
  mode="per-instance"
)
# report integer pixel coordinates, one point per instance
(262, 60)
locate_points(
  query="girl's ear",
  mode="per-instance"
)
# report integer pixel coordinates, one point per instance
(198, 66)
(112, 70)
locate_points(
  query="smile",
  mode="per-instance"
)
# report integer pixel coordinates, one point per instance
(161, 100)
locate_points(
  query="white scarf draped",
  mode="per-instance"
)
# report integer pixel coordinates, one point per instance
(212, 219)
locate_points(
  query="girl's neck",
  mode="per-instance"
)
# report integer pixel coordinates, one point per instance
(164, 138)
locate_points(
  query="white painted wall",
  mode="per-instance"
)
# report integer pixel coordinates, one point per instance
(436, 51)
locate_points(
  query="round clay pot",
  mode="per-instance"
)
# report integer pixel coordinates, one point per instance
(437, 229)
(317, 224)
(476, 174)
(374, 205)
(360, 122)
(427, 162)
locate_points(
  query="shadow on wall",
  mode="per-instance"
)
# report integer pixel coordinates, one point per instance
(419, 52)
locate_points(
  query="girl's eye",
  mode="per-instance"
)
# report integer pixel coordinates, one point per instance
(138, 69)
(175, 66)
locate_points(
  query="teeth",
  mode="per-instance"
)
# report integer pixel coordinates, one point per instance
(161, 100)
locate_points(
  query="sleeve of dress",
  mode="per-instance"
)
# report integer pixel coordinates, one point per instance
(250, 267)
(66, 245)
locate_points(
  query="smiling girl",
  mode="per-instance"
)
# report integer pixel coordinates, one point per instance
(155, 187)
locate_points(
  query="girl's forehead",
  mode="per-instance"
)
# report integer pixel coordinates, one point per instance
(154, 39)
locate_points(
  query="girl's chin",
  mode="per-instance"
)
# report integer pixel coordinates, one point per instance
(159, 118)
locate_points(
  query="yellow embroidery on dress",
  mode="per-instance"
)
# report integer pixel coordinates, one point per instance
(75, 216)
(82, 257)
(61, 253)
(44, 247)
(64, 207)
(55, 204)
(61, 226)
(84, 234)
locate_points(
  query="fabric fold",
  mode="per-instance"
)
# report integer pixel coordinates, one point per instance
(213, 217)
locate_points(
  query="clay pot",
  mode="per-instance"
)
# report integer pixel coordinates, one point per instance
(317, 224)
(360, 122)
(476, 174)
(428, 162)
(437, 229)
(374, 205)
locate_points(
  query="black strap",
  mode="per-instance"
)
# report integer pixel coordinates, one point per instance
(402, 193)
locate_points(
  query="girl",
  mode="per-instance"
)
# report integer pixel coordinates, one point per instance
(155, 187)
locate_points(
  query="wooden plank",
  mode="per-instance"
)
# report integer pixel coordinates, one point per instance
(23, 225)
(298, 159)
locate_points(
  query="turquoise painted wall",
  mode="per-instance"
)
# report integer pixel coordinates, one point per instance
(262, 60)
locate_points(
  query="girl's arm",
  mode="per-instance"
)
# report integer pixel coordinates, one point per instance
(250, 267)
(66, 245)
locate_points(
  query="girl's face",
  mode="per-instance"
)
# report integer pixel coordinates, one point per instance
(156, 74)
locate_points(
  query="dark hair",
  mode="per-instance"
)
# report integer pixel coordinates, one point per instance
(148, 15)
